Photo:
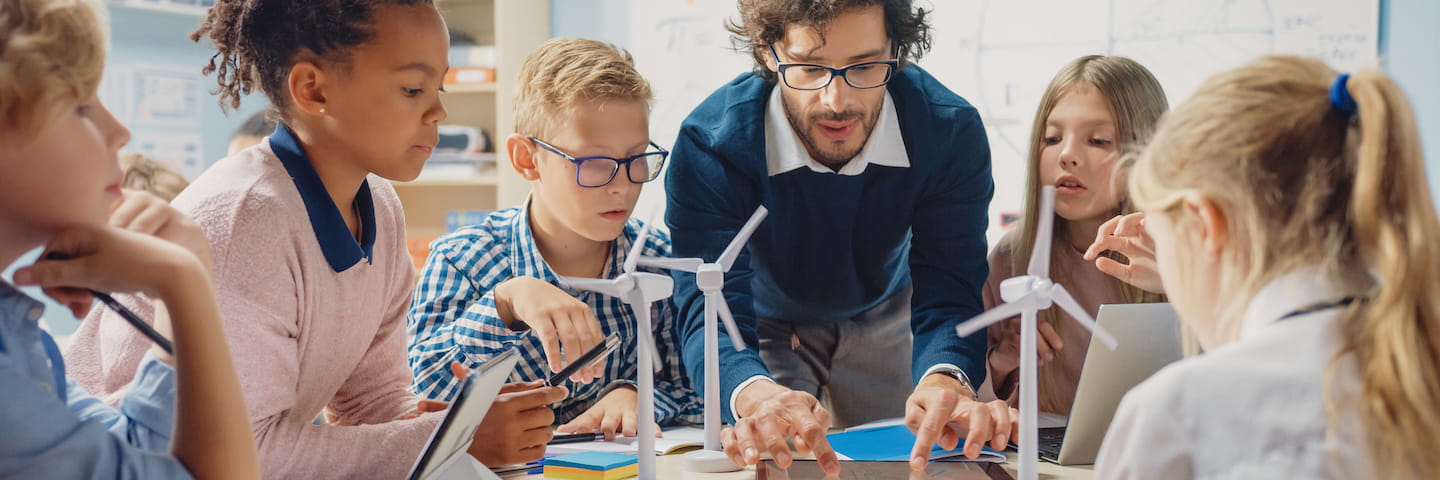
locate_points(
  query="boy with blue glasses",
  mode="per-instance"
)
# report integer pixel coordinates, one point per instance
(582, 141)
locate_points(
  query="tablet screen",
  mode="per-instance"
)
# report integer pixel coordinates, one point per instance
(453, 435)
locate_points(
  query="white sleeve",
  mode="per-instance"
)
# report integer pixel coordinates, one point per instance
(1146, 440)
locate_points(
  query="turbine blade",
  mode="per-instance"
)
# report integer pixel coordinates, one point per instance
(601, 285)
(723, 311)
(1068, 303)
(1040, 255)
(682, 264)
(737, 244)
(1001, 312)
(635, 248)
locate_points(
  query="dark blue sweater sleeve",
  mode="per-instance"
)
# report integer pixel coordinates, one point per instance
(708, 201)
(947, 254)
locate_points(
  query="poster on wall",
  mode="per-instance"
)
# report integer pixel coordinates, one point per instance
(179, 151)
(164, 96)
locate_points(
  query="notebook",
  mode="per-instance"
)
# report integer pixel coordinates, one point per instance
(673, 440)
(892, 443)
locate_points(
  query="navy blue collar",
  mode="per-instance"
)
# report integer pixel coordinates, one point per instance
(341, 249)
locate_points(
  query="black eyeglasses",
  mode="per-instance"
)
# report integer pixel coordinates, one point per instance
(595, 172)
(807, 76)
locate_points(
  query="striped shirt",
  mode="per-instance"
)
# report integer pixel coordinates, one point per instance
(453, 318)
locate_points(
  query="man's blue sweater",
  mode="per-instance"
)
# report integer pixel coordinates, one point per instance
(834, 246)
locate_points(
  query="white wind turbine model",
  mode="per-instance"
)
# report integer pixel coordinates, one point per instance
(710, 277)
(1025, 295)
(639, 290)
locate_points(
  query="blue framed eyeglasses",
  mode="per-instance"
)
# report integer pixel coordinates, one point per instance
(807, 76)
(595, 172)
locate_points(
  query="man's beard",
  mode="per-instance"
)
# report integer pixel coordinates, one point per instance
(828, 155)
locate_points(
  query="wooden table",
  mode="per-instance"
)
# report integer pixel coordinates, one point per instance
(672, 467)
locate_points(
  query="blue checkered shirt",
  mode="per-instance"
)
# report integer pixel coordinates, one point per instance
(453, 318)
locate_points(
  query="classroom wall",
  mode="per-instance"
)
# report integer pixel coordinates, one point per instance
(144, 38)
(1408, 48)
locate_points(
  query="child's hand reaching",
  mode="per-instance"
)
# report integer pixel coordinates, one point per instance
(613, 414)
(559, 319)
(1126, 235)
(1005, 346)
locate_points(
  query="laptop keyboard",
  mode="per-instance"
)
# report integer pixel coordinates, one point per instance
(1050, 440)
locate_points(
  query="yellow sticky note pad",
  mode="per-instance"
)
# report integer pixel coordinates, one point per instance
(570, 473)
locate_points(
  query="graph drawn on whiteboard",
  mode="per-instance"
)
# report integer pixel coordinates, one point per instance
(1000, 54)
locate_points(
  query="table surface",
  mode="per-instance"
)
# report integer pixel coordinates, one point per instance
(673, 467)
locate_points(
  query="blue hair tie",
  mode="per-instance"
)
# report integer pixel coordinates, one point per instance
(1340, 96)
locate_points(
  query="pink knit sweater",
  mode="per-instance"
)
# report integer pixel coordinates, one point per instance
(304, 337)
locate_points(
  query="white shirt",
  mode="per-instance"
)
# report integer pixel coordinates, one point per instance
(1254, 408)
(785, 152)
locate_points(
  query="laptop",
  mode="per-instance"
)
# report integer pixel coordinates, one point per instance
(1149, 335)
(445, 456)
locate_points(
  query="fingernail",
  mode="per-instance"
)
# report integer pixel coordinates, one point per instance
(917, 463)
(782, 457)
(23, 276)
(1004, 440)
(751, 453)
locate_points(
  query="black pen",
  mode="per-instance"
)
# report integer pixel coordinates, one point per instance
(125, 313)
(575, 438)
(595, 354)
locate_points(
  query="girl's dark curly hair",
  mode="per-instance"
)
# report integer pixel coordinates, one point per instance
(259, 40)
(763, 22)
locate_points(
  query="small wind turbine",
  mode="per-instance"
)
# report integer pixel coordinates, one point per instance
(710, 277)
(639, 290)
(1025, 295)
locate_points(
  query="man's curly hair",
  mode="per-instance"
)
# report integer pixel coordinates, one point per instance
(763, 22)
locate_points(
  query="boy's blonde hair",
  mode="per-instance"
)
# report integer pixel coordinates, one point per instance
(564, 72)
(1303, 183)
(1136, 102)
(51, 55)
(143, 173)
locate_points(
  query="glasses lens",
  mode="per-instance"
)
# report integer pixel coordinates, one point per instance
(596, 172)
(806, 77)
(868, 76)
(647, 167)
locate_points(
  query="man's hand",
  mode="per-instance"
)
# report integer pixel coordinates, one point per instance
(770, 414)
(941, 400)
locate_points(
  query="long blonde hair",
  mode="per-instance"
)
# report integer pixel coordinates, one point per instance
(1304, 183)
(1136, 101)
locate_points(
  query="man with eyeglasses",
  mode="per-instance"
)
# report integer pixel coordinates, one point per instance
(877, 179)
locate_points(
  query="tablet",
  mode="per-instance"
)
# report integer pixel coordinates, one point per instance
(453, 436)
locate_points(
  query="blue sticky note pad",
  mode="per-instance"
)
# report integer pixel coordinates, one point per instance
(599, 461)
(893, 444)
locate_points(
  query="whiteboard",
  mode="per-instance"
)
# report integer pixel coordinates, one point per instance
(1000, 55)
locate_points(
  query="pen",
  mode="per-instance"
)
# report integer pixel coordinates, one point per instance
(595, 354)
(125, 313)
(575, 438)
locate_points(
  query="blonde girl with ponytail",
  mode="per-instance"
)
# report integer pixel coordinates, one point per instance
(1296, 236)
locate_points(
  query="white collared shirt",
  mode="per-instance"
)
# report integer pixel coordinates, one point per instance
(1254, 408)
(785, 152)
